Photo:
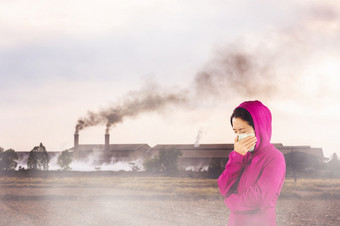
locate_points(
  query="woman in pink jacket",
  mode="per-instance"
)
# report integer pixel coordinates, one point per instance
(254, 175)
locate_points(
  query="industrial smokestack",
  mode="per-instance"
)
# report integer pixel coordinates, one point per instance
(76, 145)
(106, 153)
(198, 138)
(107, 141)
(76, 139)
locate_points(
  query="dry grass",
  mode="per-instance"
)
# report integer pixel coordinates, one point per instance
(162, 185)
(312, 188)
(117, 200)
(175, 187)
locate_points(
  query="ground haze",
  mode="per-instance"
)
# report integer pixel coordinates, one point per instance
(118, 200)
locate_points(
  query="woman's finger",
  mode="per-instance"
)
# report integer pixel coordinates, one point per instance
(248, 140)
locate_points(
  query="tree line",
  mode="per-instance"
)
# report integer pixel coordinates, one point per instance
(298, 165)
(38, 159)
(166, 163)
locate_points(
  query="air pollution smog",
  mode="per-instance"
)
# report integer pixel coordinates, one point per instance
(136, 184)
(220, 78)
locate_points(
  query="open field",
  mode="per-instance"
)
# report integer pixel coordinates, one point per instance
(117, 200)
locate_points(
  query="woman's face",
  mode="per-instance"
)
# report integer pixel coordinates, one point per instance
(240, 126)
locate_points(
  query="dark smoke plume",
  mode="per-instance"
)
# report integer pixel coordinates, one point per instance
(149, 99)
(232, 72)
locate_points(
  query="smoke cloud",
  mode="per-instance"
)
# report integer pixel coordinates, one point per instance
(260, 67)
(149, 99)
(232, 71)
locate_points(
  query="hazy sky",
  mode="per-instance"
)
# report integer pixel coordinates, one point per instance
(61, 59)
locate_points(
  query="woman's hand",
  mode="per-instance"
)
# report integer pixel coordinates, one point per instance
(244, 145)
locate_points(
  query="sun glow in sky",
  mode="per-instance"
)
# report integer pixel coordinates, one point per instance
(61, 59)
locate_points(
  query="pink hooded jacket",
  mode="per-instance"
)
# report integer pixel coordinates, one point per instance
(261, 172)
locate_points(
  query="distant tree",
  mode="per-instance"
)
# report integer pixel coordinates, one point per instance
(8, 159)
(1, 151)
(135, 167)
(152, 165)
(333, 165)
(38, 158)
(334, 158)
(64, 160)
(169, 161)
(215, 168)
(300, 163)
(292, 162)
(165, 162)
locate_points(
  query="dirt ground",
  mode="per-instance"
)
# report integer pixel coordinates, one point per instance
(106, 206)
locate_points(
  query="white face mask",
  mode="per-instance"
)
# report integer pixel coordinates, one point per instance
(244, 135)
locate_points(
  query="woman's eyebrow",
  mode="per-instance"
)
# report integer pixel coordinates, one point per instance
(238, 129)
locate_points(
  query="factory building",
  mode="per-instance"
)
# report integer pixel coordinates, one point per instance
(192, 157)
(109, 152)
(195, 157)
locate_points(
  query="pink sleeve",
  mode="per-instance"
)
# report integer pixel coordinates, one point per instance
(265, 189)
(231, 172)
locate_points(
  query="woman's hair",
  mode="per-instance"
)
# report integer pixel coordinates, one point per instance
(242, 114)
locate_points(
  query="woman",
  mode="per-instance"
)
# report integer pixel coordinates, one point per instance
(254, 175)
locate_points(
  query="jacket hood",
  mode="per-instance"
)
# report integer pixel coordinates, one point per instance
(262, 121)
